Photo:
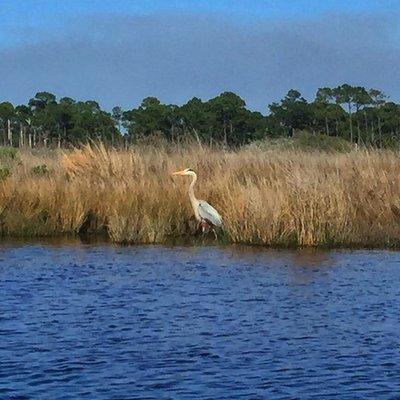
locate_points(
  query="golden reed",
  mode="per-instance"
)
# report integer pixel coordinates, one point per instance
(273, 198)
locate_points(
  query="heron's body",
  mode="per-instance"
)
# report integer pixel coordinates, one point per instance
(205, 214)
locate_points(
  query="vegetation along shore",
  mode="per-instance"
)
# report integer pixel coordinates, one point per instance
(266, 195)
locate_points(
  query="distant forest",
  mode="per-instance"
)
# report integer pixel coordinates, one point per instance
(353, 113)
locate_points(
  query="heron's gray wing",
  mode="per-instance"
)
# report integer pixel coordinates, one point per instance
(209, 213)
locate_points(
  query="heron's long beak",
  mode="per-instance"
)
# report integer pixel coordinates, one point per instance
(179, 172)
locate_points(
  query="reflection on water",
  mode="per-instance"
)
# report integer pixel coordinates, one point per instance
(104, 322)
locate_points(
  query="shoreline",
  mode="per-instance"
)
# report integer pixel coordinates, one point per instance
(193, 241)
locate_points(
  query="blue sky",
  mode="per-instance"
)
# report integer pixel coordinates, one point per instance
(52, 14)
(120, 51)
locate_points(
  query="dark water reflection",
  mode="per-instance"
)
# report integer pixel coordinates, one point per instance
(102, 322)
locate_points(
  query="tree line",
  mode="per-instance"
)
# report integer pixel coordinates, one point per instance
(360, 115)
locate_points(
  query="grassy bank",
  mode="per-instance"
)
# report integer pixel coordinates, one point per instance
(274, 198)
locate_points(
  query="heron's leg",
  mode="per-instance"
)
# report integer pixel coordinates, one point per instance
(215, 233)
(203, 227)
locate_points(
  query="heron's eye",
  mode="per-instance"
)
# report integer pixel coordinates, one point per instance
(189, 170)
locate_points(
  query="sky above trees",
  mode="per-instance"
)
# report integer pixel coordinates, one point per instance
(119, 52)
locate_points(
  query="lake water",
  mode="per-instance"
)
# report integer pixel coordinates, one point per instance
(104, 322)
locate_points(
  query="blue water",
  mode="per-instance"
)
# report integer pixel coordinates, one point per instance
(103, 322)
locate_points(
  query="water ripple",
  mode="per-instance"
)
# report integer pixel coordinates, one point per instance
(198, 323)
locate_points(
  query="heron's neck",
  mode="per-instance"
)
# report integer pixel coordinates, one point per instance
(192, 197)
(191, 191)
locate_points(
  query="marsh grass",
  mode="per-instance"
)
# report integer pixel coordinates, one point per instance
(266, 197)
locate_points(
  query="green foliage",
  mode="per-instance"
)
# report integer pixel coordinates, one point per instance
(6, 111)
(40, 170)
(305, 141)
(9, 153)
(308, 141)
(293, 112)
(63, 122)
(9, 157)
(4, 173)
(350, 112)
(223, 119)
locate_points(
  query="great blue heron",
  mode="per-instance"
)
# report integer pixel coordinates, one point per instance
(206, 215)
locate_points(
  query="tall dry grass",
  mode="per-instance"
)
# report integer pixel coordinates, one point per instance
(278, 198)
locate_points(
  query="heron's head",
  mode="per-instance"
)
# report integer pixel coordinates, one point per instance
(187, 171)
